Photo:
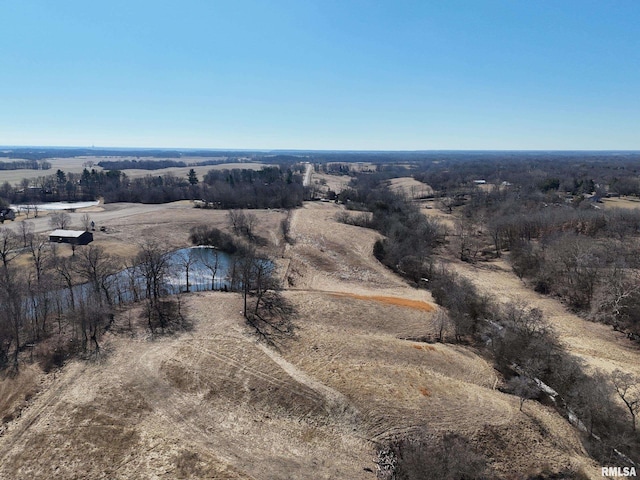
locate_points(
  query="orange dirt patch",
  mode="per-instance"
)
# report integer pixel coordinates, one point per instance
(425, 392)
(418, 346)
(402, 302)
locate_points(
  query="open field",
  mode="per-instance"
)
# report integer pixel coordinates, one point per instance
(129, 224)
(78, 164)
(337, 183)
(622, 202)
(71, 165)
(410, 187)
(214, 402)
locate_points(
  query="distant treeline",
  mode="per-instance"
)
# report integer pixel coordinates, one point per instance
(140, 164)
(584, 173)
(565, 172)
(127, 164)
(272, 187)
(25, 165)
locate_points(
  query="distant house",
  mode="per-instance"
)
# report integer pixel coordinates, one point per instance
(480, 182)
(74, 237)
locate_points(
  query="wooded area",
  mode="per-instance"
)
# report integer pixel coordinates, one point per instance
(548, 220)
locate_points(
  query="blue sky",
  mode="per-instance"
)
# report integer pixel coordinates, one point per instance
(377, 75)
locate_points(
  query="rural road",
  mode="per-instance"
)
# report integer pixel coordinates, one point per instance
(307, 175)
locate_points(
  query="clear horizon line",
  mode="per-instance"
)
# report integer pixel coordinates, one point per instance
(214, 149)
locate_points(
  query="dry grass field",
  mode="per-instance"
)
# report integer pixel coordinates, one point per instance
(410, 187)
(622, 202)
(337, 183)
(215, 402)
(127, 225)
(431, 209)
(72, 165)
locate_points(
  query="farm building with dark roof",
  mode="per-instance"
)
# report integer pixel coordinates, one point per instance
(75, 237)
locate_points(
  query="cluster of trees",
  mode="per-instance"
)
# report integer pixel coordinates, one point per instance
(43, 298)
(446, 457)
(25, 164)
(206, 235)
(270, 187)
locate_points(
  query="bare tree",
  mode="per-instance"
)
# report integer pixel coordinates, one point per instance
(590, 400)
(85, 220)
(63, 268)
(242, 223)
(60, 220)
(39, 283)
(270, 313)
(616, 294)
(154, 266)
(578, 266)
(26, 232)
(133, 285)
(250, 223)
(187, 260)
(524, 388)
(628, 389)
(97, 268)
(442, 323)
(446, 204)
(236, 220)
(212, 263)
(38, 248)
(8, 246)
(525, 340)
(468, 241)
(496, 231)
(12, 313)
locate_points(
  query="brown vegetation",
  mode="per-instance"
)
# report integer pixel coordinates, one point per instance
(216, 403)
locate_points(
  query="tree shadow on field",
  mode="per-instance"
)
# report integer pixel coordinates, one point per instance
(273, 321)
